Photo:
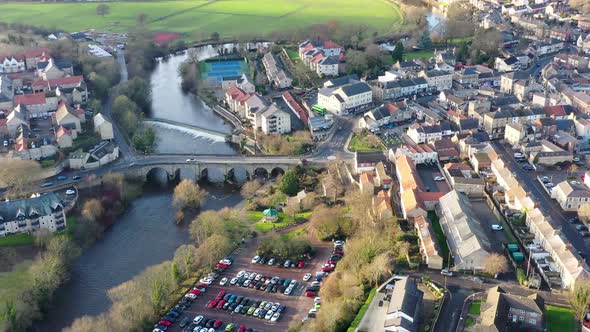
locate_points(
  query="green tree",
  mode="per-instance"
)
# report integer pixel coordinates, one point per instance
(143, 140)
(579, 298)
(9, 315)
(289, 183)
(126, 112)
(103, 10)
(356, 62)
(425, 41)
(176, 274)
(398, 52)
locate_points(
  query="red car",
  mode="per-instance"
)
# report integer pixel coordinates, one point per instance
(165, 322)
(332, 262)
(242, 328)
(212, 304)
(220, 295)
(222, 266)
(338, 252)
(217, 323)
(327, 269)
(220, 304)
(202, 285)
(195, 291)
(300, 265)
(310, 294)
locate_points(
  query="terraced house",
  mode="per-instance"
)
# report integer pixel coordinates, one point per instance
(31, 214)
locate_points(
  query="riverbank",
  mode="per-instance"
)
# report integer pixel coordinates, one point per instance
(144, 235)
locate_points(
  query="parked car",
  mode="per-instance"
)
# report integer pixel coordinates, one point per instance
(233, 281)
(439, 178)
(220, 295)
(256, 259)
(271, 261)
(70, 192)
(300, 264)
(184, 321)
(446, 272)
(212, 304)
(223, 282)
(230, 327)
(307, 276)
(198, 319)
(479, 280)
(497, 227)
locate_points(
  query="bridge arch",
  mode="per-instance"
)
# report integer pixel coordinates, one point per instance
(238, 174)
(158, 175)
(261, 173)
(213, 174)
(276, 172)
(186, 173)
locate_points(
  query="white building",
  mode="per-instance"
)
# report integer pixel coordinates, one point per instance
(12, 64)
(348, 98)
(424, 133)
(103, 127)
(273, 120)
(31, 214)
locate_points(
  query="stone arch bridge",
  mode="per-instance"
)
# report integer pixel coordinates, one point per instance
(211, 168)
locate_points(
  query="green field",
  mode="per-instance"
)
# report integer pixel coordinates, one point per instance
(199, 18)
(560, 319)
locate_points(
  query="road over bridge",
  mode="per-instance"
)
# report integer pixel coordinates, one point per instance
(213, 168)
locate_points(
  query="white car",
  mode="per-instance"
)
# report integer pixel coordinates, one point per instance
(293, 283)
(191, 296)
(240, 274)
(339, 243)
(233, 281)
(317, 300)
(198, 319)
(497, 227)
(315, 283)
(246, 283)
(206, 280)
(275, 306)
(256, 259)
(271, 262)
(439, 178)
(256, 312)
(223, 282)
(225, 261)
(190, 159)
(446, 272)
(275, 317)
(269, 315)
(70, 192)
(288, 290)
(307, 276)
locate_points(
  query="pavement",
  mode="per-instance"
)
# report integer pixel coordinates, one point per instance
(335, 144)
(550, 207)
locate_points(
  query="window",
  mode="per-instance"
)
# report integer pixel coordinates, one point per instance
(521, 318)
(532, 321)
(534, 314)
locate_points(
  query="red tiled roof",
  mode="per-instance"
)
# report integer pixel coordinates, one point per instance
(36, 52)
(79, 111)
(30, 99)
(40, 83)
(303, 114)
(163, 38)
(331, 44)
(66, 80)
(3, 122)
(63, 131)
(432, 196)
(555, 111)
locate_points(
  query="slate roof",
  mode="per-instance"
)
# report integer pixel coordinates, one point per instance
(41, 206)
(356, 89)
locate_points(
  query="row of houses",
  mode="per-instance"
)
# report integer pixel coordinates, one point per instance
(323, 58)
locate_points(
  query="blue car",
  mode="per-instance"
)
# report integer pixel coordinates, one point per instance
(62, 177)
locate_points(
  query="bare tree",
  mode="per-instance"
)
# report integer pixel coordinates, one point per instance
(495, 263)
(250, 188)
(92, 210)
(188, 194)
(16, 174)
(103, 10)
(579, 298)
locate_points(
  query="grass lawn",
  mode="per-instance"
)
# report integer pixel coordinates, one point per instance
(362, 144)
(469, 321)
(197, 19)
(425, 54)
(475, 308)
(295, 233)
(560, 319)
(16, 240)
(440, 237)
(357, 320)
(11, 285)
(292, 54)
(283, 221)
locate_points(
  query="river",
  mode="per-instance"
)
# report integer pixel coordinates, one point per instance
(170, 103)
(144, 235)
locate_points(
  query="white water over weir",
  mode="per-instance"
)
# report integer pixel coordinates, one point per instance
(188, 129)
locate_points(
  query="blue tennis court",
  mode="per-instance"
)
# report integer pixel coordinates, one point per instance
(223, 73)
(226, 65)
